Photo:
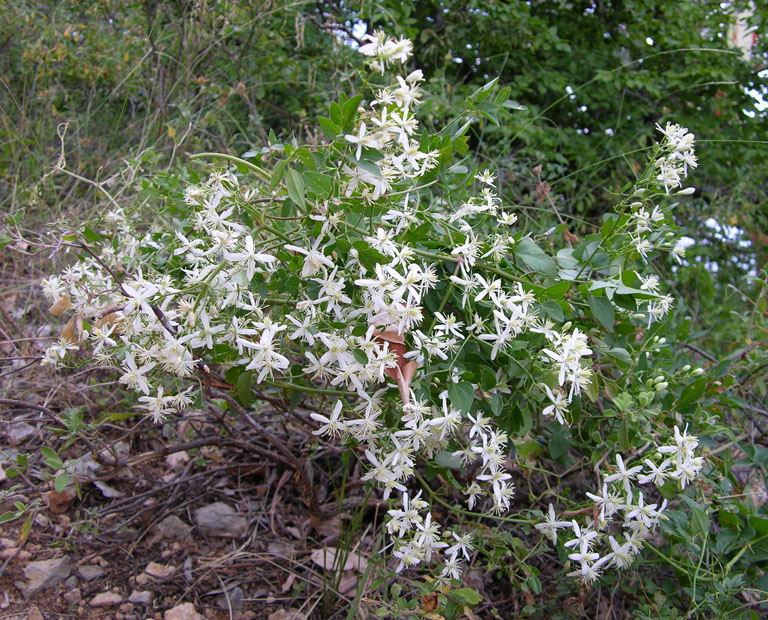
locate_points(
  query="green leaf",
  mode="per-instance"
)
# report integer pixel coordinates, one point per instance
(692, 392)
(488, 110)
(559, 443)
(367, 255)
(244, 387)
(277, 174)
(513, 105)
(556, 291)
(620, 355)
(603, 311)
(361, 357)
(465, 596)
(461, 395)
(51, 458)
(318, 183)
(700, 516)
(534, 584)
(91, 236)
(536, 259)
(336, 115)
(295, 186)
(349, 111)
(553, 310)
(61, 481)
(447, 459)
(330, 129)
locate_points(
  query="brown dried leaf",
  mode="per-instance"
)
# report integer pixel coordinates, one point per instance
(63, 304)
(288, 583)
(68, 333)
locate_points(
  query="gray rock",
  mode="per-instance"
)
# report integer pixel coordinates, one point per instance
(185, 611)
(220, 520)
(70, 582)
(142, 597)
(233, 598)
(173, 528)
(73, 597)
(90, 572)
(19, 431)
(46, 574)
(106, 599)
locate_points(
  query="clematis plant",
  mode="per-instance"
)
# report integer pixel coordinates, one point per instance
(380, 269)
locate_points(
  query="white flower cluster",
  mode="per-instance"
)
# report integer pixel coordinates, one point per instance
(417, 538)
(385, 50)
(679, 155)
(621, 512)
(648, 234)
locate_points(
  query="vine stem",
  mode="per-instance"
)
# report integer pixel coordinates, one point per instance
(259, 172)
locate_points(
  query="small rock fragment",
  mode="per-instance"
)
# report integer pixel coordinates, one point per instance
(19, 431)
(34, 614)
(45, 574)
(106, 599)
(173, 528)
(161, 571)
(232, 599)
(155, 571)
(141, 597)
(73, 597)
(90, 572)
(70, 582)
(185, 611)
(220, 519)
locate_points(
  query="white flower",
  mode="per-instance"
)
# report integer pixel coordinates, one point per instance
(332, 426)
(133, 376)
(559, 405)
(624, 475)
(250, 257)
(550, 525)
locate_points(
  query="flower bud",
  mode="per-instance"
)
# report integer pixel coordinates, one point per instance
(686, 368)
(662, 386)
(687, 191)
(698, 371)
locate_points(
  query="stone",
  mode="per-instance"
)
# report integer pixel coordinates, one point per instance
(173, 528)
(70, 582)
(19, 431)
(46, 574)
(142, 597)
(185, 611)
(161, 571)
(90, 572)
(232, 599)
(106, 599)
(73, 597)
(221, 520)
(34, 614)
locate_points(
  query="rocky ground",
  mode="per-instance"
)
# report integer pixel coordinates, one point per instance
(214, 515)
